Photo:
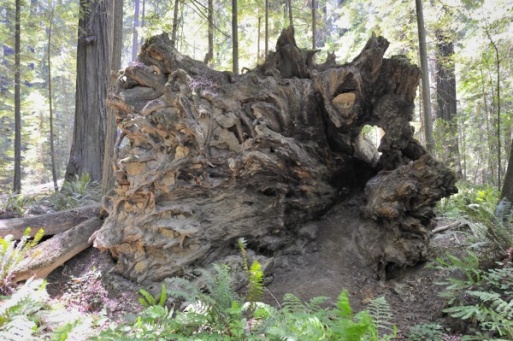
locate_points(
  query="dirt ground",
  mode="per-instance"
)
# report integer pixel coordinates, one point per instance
(324, 268)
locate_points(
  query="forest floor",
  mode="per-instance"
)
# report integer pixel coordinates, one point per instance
(324, 268)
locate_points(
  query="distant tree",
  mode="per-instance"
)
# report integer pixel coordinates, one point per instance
(135, 38)
(235, 38)
(426, 101)
(174, 30)
(446, 109)
(93, 72)
(17, 99)
(314, 24)
(210, 19)
(266, 38)
(50, 98)
(507, 187)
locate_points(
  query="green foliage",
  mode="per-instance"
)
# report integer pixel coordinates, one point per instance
(422, 332)
(481, 297)
(15, 203)
(76, 193)
(310, 321)
(217, 313)
(11, 254)
(489, 223)
(28, 315)
(147, 300)
(254, 275)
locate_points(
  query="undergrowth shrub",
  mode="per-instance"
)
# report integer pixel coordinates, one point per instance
(217, 312)
(14, 205)
(28, 314)
(481, 297)
(11, 254)
(76, 193)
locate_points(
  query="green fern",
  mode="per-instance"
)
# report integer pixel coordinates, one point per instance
(380, 312)
(11, 254)
(254, 275)
(147, 300)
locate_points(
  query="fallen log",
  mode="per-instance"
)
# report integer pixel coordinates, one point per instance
(51, 223)
(54, 252)
(440, 229)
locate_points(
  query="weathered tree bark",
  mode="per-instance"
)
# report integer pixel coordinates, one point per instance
(115, 38)
(446, 102)
(52, 223)
(93, 71)
(207, 157)
(52, 253)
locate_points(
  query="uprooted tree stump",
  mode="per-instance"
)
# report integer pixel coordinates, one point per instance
(205, 157)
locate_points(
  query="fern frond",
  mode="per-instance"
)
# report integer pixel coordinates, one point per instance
(256, 282)
(381, 314)
(344, 309)
(20, 327)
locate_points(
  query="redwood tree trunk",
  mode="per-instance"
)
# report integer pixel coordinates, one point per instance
(93, 72)
(446, 102)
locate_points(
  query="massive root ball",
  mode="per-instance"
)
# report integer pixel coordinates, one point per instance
(205, 157)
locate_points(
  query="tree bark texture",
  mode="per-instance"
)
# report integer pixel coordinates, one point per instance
(93, 71)
(206, 157)
(51, 223)
(446, 103)
(54, 252)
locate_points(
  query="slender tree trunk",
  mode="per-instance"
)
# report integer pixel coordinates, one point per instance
(266, 45)
(143, 15)
(507, 187)
(93, 72)
(175, 24)
(258, 39)
(314, 24)
(135, 36)
(210, 18)
(235, 38)
(498, 103)
(490, 153)
(115, 35)
(50, 101)
(428, 121)
(291, 18)
(17, 100)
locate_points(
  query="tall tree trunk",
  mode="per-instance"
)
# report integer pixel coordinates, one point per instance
(175, 24)
(235, 38)
(210, 18)
(50, 100)
(314, 24)
(135, 36)
(93, 72)
(446, 101)
(17, 99)
(116, 40)
(258, 39)
(507, 187)
(428, 120)
(143, 20)
(266, 45)
(291, 18)
(498, 105)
